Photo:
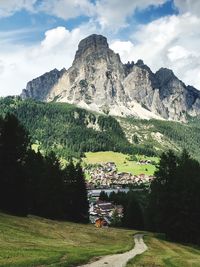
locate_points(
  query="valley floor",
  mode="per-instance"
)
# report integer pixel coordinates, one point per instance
(121, 161)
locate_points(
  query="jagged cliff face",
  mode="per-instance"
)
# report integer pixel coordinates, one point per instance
(99, 81)
(40, 87)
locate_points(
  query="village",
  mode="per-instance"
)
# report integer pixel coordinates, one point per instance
(101, 213)
(105, 175)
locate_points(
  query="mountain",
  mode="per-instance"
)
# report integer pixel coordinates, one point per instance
(99, 81)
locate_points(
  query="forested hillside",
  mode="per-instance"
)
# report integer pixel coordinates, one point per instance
(68, 130)
(163, 135)
(71, 131)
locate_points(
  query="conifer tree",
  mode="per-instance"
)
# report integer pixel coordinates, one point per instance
(14, 143)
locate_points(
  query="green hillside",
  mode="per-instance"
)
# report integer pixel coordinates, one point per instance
(163, 135)
(39, 242)
(166, 254)
(68, 130)
(71, 131)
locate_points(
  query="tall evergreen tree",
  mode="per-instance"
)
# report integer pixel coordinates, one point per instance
(82, 205)
(160, 203)
(35, 171)
(13, 148)
(51, 189)
(133, 216)
(75, 196)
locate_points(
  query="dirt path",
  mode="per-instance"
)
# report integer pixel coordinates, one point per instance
(120, 260)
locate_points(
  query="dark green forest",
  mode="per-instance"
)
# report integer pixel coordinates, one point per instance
(70, 131)
(32, 183)
(67, 130)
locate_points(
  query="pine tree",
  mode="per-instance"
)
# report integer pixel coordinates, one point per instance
(82, 205)
(14, 143)
(103, 196)
(51, 189)
(75, 193)
(133, 216)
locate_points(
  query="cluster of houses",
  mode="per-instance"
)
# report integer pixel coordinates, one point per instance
(105, 175)
(144, 162)
(101, 213)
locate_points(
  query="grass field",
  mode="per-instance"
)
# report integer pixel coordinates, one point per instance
(40, 242)
(33, 241)
(123, 164)
(161, 253)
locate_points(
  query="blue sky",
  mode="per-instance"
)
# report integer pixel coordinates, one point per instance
(39, 35)
(41, 21)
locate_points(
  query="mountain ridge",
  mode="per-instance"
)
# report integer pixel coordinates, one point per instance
(99, 81)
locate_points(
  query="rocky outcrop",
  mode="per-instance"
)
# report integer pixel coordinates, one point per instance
(99, 81)
(40, 87)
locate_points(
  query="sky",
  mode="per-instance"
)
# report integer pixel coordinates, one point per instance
(37, 36)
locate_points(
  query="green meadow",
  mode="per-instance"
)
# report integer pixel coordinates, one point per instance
(35, 241)
(38, 242)
(121, 161)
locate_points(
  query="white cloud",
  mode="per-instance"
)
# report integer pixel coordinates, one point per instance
(172, 42)
(185, 6)
(114, 13)
(1, 66)
(123, 48)
(178, 52)
(9, 7)
(108, 13)
(19, 64)
(67, 9)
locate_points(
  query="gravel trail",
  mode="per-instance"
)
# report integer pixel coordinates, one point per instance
(120, 260)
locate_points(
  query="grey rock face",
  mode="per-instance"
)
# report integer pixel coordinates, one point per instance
(96, 44)
(99, 81)
(39, 88)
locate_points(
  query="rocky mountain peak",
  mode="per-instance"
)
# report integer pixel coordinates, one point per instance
(93, 40)
(99, 81)
(140, 63)
(164, 75)
(93, 44)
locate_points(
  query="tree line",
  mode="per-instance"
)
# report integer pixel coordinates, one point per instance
(67, 130)
(133, 216)
(31, 183)
(174, 200)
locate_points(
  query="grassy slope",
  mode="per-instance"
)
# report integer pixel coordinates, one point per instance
(121, 161)
(164, 135)
(161, 253)
(39, 242)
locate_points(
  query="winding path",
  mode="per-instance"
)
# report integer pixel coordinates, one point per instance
(120, 260)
